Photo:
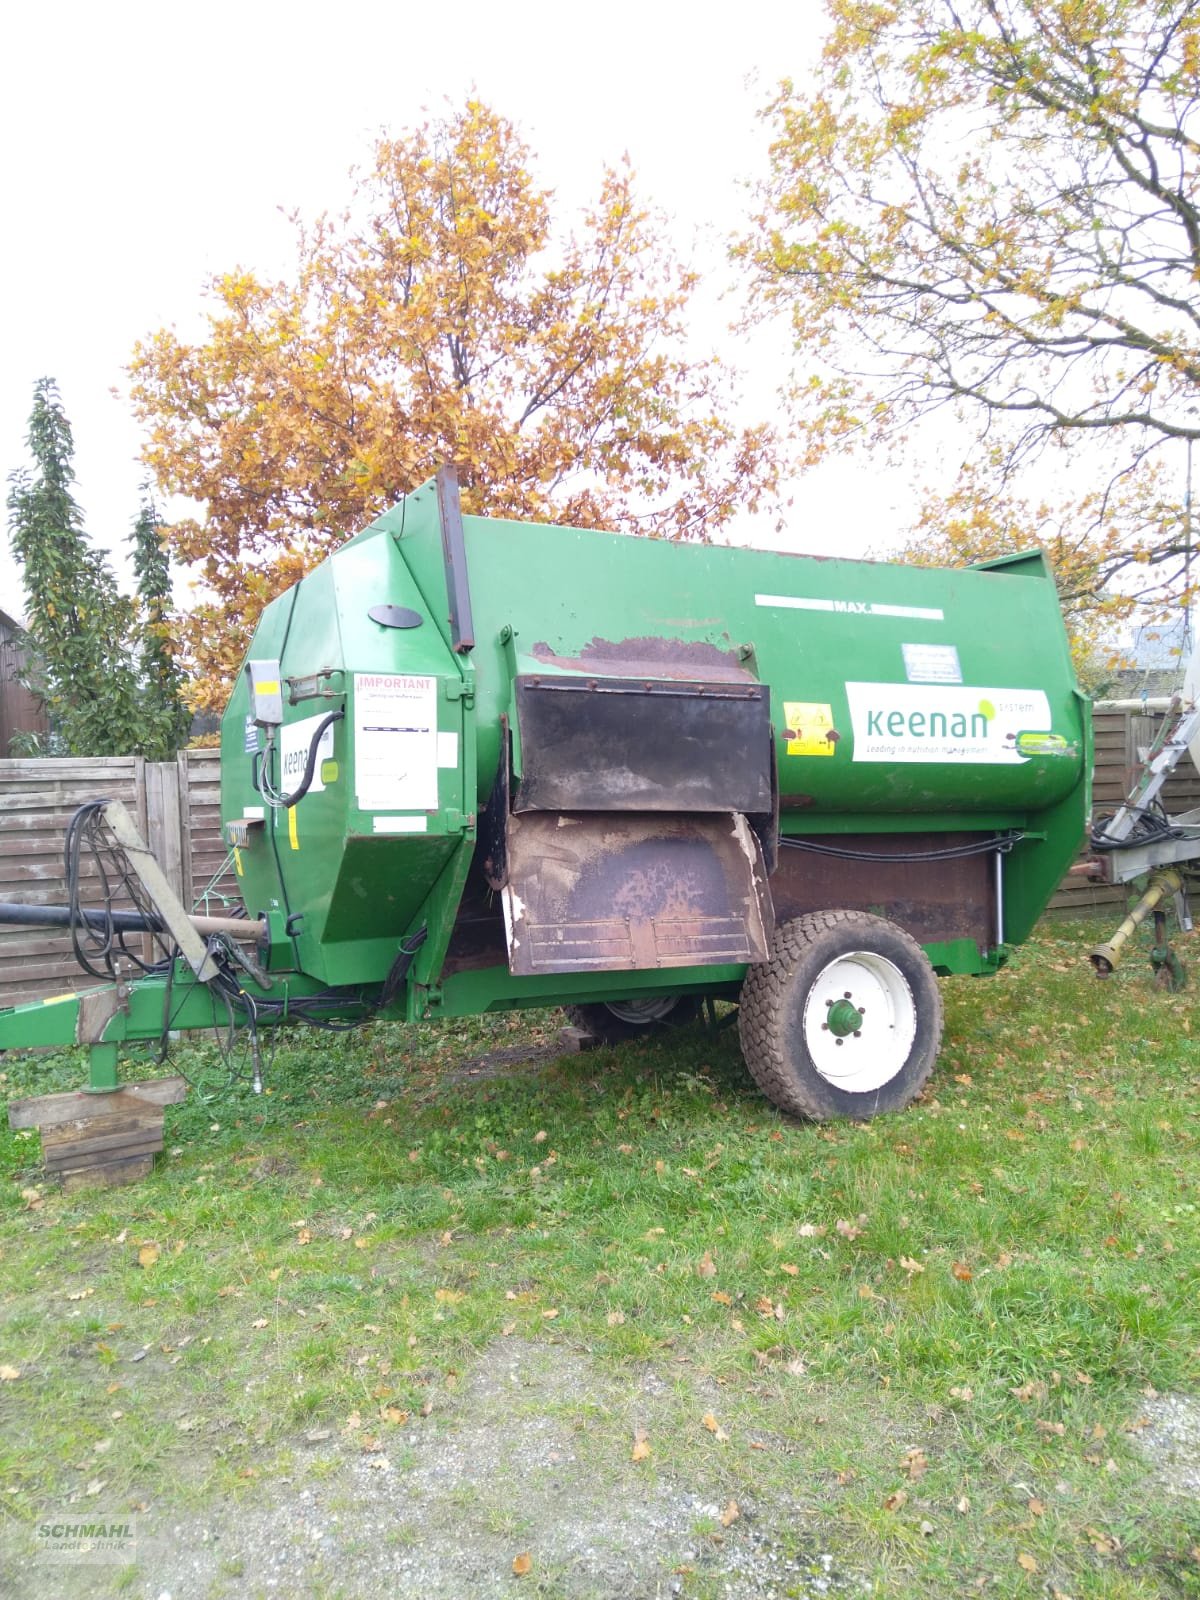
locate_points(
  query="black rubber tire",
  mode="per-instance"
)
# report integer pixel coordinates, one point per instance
(606, 1026)
(770, 1018)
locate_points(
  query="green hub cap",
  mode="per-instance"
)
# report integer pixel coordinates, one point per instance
(843, 1019)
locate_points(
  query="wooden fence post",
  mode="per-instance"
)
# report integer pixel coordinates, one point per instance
(165, 822)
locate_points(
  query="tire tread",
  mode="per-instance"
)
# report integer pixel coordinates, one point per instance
(763, 1012)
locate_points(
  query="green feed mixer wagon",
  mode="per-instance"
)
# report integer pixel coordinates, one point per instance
(471, 765)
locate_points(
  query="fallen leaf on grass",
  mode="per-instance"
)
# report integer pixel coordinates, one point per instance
(1029, 1391)
(147, 1255)
(792, 1271)
(1037, 1508)
(722, 1298)
(915, 1463)
(449, 1297)
(304, 1236)
(895, 1501)
(962, 1272)
(910, 1266)
(730, 1514)
(707, 1267)
(81, 1294)
(615, 1319)
(1026, 1562)
(1102, 1543)
(393, 1414)
(641, 1445)
(812, 1230)
(259, 1322)
(522, 1564)
(9, 1374)
(714, 1427)
(962, 1392)
(850, 1230)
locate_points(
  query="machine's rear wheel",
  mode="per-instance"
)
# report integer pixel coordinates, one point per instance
(845, 1020)
(614, 1021)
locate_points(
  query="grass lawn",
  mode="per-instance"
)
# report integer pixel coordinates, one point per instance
(610, 1313)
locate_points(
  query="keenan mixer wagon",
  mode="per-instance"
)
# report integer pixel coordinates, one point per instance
(473, 765)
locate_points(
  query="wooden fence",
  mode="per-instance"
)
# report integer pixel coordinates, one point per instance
(177, 806)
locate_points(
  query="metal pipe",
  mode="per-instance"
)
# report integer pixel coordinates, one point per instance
(1158, 702)
(1105, 956)
(124, 921)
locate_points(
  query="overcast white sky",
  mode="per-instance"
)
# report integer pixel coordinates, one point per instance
(146, 146)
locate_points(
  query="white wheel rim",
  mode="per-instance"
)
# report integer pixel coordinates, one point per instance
(863, 1058)
(642, 1011)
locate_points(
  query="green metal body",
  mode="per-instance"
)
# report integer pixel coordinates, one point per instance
(905, 702)
(859, 645)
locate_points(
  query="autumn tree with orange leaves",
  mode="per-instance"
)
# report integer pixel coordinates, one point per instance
(989, 210)
(441, 317)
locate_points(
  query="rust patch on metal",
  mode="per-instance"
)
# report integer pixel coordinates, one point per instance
(652, 657)
(935, 901)
(634, 892)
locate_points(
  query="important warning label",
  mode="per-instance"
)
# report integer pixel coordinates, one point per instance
(809, 725)
(395, 742)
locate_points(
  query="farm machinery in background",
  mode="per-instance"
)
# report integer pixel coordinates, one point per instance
(472, 765)
(1143, 841)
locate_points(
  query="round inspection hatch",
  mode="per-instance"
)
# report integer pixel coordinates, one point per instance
(389, 616)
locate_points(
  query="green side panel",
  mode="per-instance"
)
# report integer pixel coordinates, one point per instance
(350, 865)
(925, 677)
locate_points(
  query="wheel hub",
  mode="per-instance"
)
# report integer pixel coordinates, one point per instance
(843, 1018)
(859, 1021)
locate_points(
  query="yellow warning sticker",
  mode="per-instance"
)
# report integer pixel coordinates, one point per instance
(809, 727)
(237, 861)
(292, 833)
(58, 999)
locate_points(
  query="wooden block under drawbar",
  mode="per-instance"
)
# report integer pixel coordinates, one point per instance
(573, 1040)
(104, 1146)
(47, 1110)
(110, 1175)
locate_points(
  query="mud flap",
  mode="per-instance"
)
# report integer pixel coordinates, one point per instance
(599, 892)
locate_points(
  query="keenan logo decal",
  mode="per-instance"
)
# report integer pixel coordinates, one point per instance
(943, 722)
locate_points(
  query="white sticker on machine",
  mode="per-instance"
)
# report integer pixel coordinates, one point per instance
(931, 663)
(395, 742)
(295, 742)
(911, 722)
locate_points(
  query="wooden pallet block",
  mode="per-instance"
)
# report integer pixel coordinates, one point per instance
(105, 1139)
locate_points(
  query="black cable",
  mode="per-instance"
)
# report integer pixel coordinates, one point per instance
(97, 940)
(310, 766)
(978, 847)
(1150, 827)
(287, 905)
